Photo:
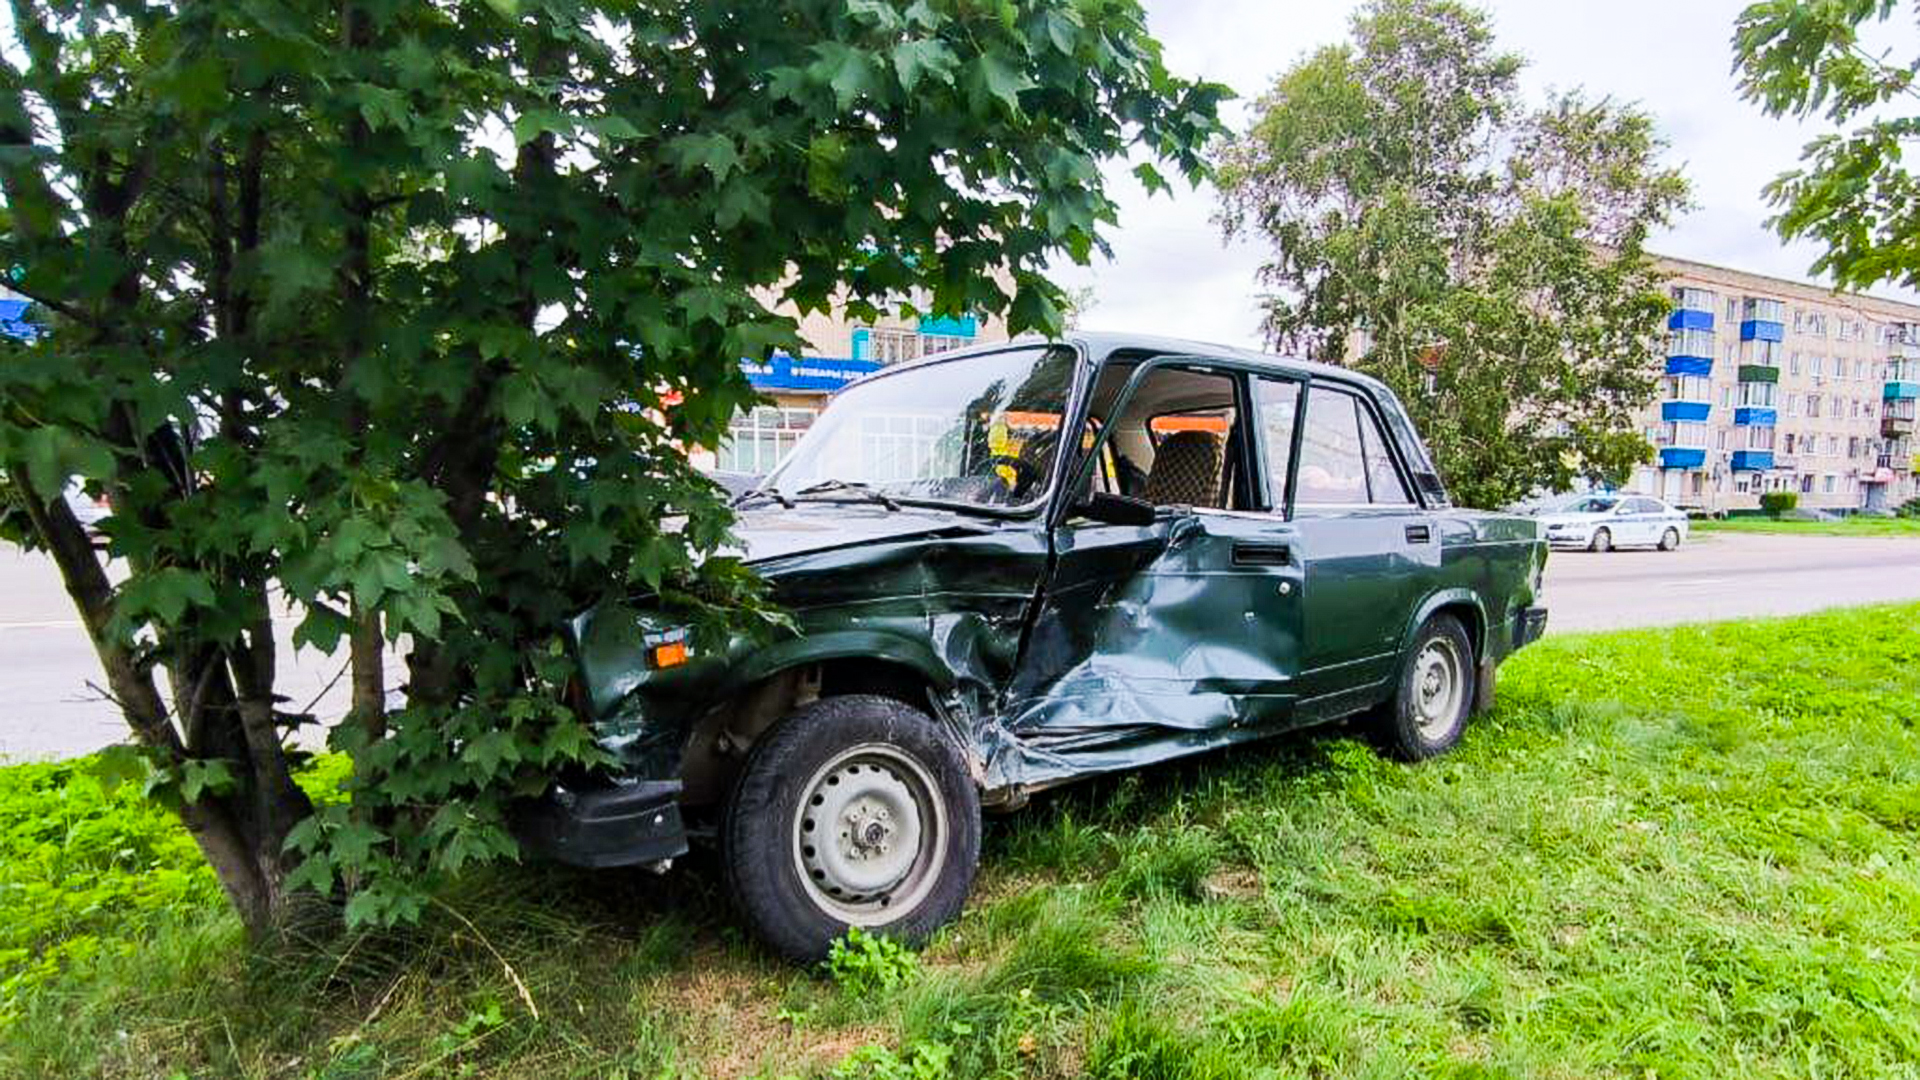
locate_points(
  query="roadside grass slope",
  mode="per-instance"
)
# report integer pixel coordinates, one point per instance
(1848, 526)
(1685, 852)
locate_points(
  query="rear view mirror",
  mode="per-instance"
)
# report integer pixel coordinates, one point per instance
(1116, 509)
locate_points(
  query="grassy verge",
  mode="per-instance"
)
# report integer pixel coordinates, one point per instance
(1683, 852)
(1853, 526)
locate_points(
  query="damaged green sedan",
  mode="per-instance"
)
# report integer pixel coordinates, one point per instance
(1021, 565)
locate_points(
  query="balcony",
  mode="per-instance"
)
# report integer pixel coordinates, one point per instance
(1752, 460)
(1897, 418)
(1695, 411)
(1755, 416)
(1759, 373)
(1683, 457)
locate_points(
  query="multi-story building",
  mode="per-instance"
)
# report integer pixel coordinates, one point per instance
(1775, 385)
(839, 350)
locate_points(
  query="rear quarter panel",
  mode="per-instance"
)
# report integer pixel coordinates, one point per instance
(1490, 562)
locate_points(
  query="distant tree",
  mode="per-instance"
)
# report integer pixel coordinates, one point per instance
(396, 316)
(1482, 257)
(1853, 194)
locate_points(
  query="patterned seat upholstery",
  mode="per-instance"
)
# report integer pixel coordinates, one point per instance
(1186, 470)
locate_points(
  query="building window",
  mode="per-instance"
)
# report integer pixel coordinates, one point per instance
(1690, 343)
(1787, 442)
(1764, 310)
(1733, 309)
(1806, 484)
(1816, 366)
(1813, 405)
(1689, 388)
(1756, 394)
(759, 438)
(1828, 483)
(1760, 437)
(1688, 298)
(893, 345)
(1793, 404)
(1793, 362)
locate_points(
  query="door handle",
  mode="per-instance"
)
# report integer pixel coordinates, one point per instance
(1419, 534)
(1254, 554)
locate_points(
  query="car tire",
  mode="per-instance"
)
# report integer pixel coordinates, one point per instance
(1429, 710)
(1602, 541)
(1670, 540)
(890, 792)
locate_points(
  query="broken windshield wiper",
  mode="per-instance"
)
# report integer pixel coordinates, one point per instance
(775, 494)
(854, 486)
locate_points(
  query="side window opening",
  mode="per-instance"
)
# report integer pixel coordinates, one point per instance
(1344, 458)
(1176, 441)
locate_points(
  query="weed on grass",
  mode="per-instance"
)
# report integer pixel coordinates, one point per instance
(1685, 852)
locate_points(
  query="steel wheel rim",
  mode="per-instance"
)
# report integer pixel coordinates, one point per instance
(1602, 540)
(869, 834)
(1438, 689)
(1671, 540)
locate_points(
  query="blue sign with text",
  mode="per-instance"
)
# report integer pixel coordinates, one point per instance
(806, 372)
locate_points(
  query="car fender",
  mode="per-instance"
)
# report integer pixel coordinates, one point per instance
(1443, 598)
(852, 643)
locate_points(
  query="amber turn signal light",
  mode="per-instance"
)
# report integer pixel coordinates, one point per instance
(672, 654)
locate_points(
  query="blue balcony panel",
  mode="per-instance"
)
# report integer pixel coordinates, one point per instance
(1689, 365)
(1688, 319)
(1684, 410)
(1898, 391)
(1762, 330)
(1755, 416)
(1753, 460)
(950, 325)
(1682, 457)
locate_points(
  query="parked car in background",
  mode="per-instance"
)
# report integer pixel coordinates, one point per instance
(1605, 522)
(1016, 566)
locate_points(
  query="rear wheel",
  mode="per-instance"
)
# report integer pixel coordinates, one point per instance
(1602, 541)
(1437, 679)
(1670, 539)
(852, 811)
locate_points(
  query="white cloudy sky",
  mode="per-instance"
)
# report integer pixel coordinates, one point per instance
(1171, 274)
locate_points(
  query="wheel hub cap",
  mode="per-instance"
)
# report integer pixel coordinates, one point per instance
(865, 833)
(1437, 688)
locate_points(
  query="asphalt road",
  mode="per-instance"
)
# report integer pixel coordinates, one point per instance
(47, 708)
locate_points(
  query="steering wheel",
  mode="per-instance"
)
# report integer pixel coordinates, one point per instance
(1025, 473)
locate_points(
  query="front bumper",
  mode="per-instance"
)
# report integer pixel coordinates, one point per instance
(622, 825)
(1528, 625)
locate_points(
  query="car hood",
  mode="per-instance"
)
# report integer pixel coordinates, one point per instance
(765, 535)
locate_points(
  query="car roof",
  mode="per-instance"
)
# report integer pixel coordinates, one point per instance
(1099, 345)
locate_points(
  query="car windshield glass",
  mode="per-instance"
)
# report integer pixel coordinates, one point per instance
(980, 430)
(1591, 505)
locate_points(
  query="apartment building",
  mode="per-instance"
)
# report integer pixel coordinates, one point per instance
(839, 350)
(1776, 385)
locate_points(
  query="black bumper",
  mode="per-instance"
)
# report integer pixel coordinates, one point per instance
(615, 826)
(1528, 625)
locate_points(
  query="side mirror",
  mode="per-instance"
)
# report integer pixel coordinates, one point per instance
(1115, 509)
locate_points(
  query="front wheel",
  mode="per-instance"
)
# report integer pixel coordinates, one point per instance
(1602, 541)
(1670, 539)
(852, 811)
(1437, 679)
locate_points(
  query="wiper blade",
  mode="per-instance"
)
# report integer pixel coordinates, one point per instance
(775, 494)
(854, 486)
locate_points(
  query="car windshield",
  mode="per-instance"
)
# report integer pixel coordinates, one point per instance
(1592, 504)
(976, 430)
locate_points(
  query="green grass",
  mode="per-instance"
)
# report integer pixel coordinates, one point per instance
(1851, 526)
(1683, 852)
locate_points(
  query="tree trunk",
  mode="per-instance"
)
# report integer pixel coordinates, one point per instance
(241, 835)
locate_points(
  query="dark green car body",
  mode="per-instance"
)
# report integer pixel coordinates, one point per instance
(1053, 643)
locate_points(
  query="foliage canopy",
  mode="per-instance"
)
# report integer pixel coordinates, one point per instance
(1480, 255)
(396, 317)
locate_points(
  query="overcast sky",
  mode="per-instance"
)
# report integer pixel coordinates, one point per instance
(1171, 274)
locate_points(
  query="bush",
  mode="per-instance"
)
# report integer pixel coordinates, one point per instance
(1779, 502)
(1910, 508)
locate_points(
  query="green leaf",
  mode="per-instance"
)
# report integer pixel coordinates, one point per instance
(991, 76)
(922, 58)
(849, 71)
(205, 776)
(715, 153)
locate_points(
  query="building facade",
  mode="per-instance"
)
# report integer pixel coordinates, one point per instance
(1775, 385)
(839, 350)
